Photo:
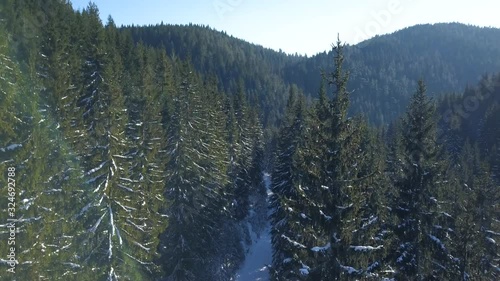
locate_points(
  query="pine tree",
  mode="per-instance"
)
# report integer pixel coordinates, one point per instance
(421, 251)
(475, 229)
(258, 190)
(8, 89)
(240, 141)
(286, 201)
(112, 232)
(196, 179)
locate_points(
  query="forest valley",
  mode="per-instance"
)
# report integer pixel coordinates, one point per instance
(140, 152)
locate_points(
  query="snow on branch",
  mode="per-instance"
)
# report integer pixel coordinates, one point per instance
(370, 222)
(345, 207)
(96, 168)
(321, 249)
(305, 269)
(94, 228)
(366, 248)
(142, 246)
(84, 210)
(135, 225)
(139, 261)
(350, 270)
(72, 265)
(294, 243)
(325, 216)
(438, 242)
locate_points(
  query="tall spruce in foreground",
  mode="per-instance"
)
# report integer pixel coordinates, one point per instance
(328, 191)
(341, 194)
(350, 175)
(419, 251)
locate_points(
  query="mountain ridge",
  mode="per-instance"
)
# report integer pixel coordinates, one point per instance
(384, 69)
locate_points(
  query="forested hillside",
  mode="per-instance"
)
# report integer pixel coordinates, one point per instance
(139, 153)
(233, 61)
(383, 69)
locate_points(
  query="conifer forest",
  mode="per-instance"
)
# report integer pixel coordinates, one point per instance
(164, 152)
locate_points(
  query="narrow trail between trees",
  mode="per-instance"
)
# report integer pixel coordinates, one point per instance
(259, 256)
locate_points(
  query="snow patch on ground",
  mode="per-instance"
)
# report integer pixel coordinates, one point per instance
(259, 255)
(255, 267)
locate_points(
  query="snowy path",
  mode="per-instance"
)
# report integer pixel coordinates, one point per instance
(259, 256)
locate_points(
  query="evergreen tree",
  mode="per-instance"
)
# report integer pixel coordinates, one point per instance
(421, 252)
(349, 174)
(196, 178)
(475, 228)
(10, 72)
(286, 201)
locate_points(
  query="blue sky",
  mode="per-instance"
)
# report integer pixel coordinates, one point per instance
(299, 26)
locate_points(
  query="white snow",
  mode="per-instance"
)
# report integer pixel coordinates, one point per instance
(92, 180)
(321, 249)
(293, 242)
(72, 265)
(323, 214)
(372, 266)
(112, 221)
(112, 275)
(366, 248)
(370, 222)
(84, 209)
(142, 246)
(345, 207)
(94, 228)
(437, 241)
(349, 269)
(259, 257)
(26, 203)
(305, 269)
(335, 236)
(110, 251)
(255, 267)
(96, 168)
(11, 147)
(491, 240)
(135, 225)
(492, 232)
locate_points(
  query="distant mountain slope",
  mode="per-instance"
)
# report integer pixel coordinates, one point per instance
(231, 60)
(384, 69)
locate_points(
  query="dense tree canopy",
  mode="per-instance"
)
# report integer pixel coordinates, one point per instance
(139, 152)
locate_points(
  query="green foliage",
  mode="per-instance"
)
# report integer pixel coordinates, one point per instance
(384, 69)
(131, 165)
(326, 207)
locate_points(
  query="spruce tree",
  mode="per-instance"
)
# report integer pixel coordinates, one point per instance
(287, 199)
(420, 251)
(475, 230)
(195, 184)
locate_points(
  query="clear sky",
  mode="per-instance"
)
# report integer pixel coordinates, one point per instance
(299, 26)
